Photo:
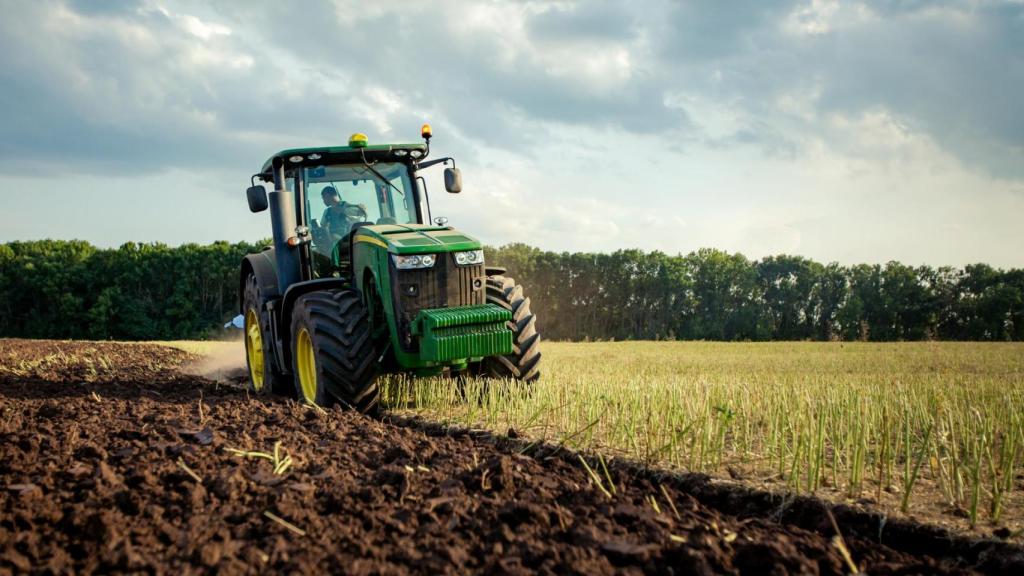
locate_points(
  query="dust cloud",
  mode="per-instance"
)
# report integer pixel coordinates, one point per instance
(221, 361)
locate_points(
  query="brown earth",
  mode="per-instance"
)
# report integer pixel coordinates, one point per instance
(114, 460)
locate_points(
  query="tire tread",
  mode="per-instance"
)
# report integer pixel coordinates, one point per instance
(346, 361)
(524, 361)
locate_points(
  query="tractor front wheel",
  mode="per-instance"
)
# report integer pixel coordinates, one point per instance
(259, 348)
(524, 361)
(333, 354)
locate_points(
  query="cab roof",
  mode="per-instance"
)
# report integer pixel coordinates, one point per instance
(323, 155)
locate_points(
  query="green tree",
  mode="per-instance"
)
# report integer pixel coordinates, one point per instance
(787, 284)
(828, 297)
(725, 297)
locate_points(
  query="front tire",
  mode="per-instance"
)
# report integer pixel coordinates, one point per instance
(333, 354)
(524, 362)
(264, 378)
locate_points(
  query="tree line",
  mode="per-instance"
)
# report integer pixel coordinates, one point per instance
(713, 295)
(71, 289)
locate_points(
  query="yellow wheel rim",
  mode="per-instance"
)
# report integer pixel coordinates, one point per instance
(306, 361)
(254, 348)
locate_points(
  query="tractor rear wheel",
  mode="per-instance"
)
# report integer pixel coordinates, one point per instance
(264, 378)
(333, 353)
(524, 361)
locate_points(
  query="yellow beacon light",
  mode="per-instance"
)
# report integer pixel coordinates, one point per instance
(425, 131)
(357, 140)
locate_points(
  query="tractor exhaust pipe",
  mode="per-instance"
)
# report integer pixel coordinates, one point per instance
(282, 222)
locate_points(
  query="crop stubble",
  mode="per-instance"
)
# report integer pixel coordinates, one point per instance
(931, 430)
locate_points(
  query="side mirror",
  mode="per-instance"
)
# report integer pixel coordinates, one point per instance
(257, 196)
(453, 180)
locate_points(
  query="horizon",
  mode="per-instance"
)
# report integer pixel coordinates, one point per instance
(559, 252)
(759, 129)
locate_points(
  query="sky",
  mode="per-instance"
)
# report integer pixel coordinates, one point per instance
(840, 131)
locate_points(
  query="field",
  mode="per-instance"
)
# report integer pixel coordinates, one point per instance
(935, 430)
(128, 457)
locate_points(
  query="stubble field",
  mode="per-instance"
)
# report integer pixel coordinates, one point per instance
(929, 430)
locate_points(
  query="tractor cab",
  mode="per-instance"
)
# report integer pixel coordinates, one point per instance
(338, 189)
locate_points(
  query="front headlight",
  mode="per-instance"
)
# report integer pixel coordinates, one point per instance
(414, 261)
(469, 257)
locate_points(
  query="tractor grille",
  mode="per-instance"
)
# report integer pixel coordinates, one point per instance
(441, 286)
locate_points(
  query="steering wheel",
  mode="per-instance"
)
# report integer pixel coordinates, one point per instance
(355, 212)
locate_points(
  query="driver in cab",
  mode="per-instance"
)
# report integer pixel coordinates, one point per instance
(339, 216)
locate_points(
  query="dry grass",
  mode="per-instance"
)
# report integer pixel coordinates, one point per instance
(922, 428)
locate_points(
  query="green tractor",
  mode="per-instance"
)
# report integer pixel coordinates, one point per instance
(359, 280)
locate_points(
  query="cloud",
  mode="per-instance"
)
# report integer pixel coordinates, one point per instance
(756, 123)
(148, 87)
(510, 70)
(100, 91)
(950, 70)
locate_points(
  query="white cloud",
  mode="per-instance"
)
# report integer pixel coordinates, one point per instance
(198, 28)
(502, 30)
(819, 17)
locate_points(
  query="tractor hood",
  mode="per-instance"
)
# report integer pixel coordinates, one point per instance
(416, 238)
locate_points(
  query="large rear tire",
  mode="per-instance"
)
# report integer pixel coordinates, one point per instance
(333, 353)
(524, 361)
(264, 378)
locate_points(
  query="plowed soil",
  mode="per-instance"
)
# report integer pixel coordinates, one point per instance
(115, 460)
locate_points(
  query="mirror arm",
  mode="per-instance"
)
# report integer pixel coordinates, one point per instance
(444, 160)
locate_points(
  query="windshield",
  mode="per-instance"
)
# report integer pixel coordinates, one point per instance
(339, 196)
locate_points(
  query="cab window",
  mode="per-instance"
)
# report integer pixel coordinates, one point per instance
(338, 197)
